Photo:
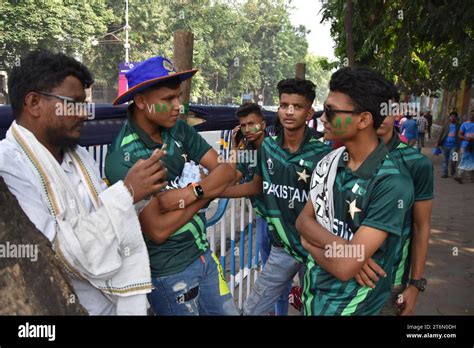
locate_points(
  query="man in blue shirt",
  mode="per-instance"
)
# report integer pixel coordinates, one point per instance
(466, 134)
(448, 142)
(410, 130)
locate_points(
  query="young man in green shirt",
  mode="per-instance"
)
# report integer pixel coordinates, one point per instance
(252, 127)
(414, 240)
(243, 157)
(283, 176)
(359, 199)
(187, 277)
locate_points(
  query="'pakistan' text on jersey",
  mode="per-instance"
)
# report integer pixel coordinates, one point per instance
(286, 178)
(183, 144)
(420, 169)
(378, 195)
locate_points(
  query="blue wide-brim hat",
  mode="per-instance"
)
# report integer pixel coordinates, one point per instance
(148, 73)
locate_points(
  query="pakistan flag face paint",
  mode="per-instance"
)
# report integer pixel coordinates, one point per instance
(252, 130)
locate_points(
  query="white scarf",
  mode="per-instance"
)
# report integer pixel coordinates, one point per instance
(109, 252)
(321, 189)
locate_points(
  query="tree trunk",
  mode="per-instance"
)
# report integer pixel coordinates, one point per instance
(32, 281)
(444, 107)
(466, 98)
(300, 70)
(349, 12)
(183, 43)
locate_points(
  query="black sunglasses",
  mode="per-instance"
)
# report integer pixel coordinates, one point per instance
(330, 112)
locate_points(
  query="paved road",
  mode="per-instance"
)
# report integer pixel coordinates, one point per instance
(450, 264)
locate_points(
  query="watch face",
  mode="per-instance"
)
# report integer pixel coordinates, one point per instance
(423, 283)
(199, 190)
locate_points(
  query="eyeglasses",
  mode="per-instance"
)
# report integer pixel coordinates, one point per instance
(330, 112)
(79, 107)
(61, 97)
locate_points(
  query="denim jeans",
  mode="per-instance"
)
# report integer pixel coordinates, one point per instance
(198, 290)
(264, 245)
(448, 160)
(421, 139)
(272, 282)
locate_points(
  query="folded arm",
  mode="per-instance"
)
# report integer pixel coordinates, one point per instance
(317, 240)
(248, 189)
(158, 226)
(220, 176)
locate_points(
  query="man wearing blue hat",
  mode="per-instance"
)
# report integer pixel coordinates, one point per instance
(187, 277)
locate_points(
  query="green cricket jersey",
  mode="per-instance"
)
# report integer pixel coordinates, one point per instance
(248, 170)
(420, 169)
(183, 144)
(378, 194)
(286, 177)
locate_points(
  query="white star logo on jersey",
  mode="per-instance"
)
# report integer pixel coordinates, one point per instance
(353, 208)
(303, 175)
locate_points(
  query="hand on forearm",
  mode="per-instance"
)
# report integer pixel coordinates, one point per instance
(176, 199)
(219, 178)
(243, 190)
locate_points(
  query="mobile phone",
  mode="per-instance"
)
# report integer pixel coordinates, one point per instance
(238, 137)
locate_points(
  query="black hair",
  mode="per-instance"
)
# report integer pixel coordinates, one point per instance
(453, 113)
(297, 86)
(247, 109)
(42, 71)
(366, 88)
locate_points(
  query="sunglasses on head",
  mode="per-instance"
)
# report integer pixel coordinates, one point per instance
(330, 112)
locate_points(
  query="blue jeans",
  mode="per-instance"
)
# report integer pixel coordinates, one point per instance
(448, 154)
(264, 245)
(272, 282)
(198, 290)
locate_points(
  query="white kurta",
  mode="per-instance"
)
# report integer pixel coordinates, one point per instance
(25, 185)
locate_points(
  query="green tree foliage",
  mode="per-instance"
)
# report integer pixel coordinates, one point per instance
(317, 71)
(422, 45)
(240, 47)
(58, 25)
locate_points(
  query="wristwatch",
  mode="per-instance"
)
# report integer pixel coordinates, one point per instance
(420, 284)
(198, 190)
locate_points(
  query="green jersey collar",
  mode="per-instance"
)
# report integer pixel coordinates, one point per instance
(369, 166)
(306, 138)
(394, 142)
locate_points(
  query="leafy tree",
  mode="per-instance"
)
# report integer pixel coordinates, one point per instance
(422, 45)
(54, 24)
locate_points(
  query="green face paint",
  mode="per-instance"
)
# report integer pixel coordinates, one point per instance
(162, 108)
(338, 125)
(348, 121)
(255, 129)
(252, 130)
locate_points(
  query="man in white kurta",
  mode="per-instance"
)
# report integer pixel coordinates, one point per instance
(94, 229)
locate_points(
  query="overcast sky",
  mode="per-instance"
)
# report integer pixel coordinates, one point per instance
(306, 12)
